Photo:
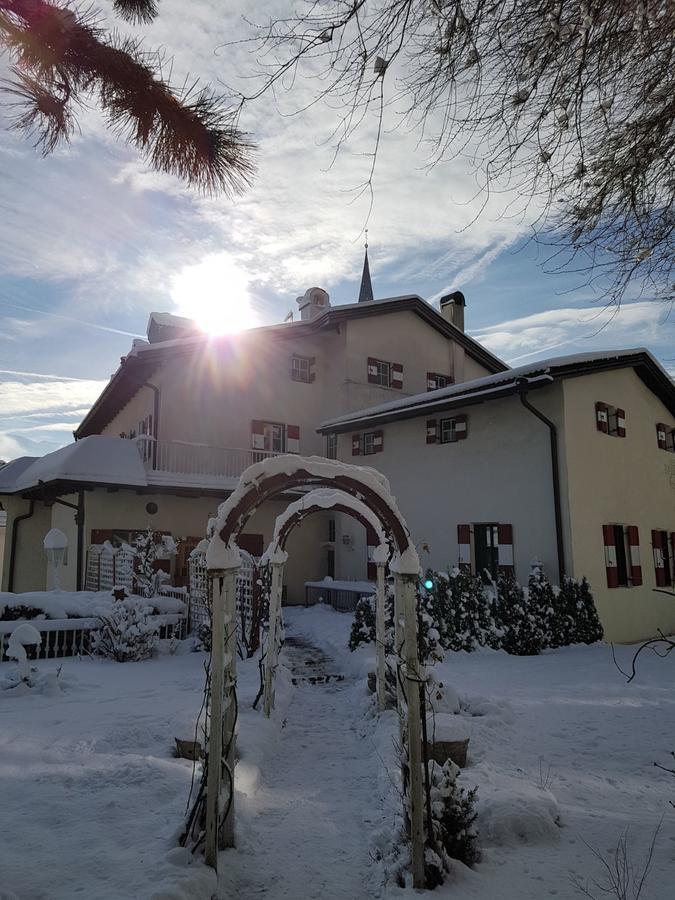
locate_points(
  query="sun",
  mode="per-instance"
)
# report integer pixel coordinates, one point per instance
(215, 294)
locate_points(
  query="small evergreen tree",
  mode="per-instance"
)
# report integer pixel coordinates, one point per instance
(541, 602)
(566, 613)
(125, 634)
(521, 632)
(588, 626)
(363, 626)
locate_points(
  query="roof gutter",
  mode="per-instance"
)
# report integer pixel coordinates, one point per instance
(555, 475)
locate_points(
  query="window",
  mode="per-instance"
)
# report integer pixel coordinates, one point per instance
(622, 555)
(379, 372)
(447, 431)
(486, 548)
(331, 446)
(369, 443)
(301, 368)
(436, 381)
(665, 436)
(610, 419)
(331, 530)
(275, 437)
(386, 374)
(663, 546)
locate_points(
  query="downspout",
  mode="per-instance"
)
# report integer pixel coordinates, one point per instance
(15, 535)
(555, 474)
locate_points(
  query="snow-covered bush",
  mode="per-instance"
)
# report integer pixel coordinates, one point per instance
(453, 815)
(363, 626)
(125, 633)
(22, 611)
(146, 554)
(541, 601)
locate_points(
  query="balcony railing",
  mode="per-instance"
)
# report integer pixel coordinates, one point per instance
(200, 460)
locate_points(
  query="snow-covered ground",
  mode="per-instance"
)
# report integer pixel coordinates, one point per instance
(91, 798)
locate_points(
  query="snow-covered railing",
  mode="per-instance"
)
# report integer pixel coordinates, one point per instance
(180, 457)
(343, 596)
(71, 637)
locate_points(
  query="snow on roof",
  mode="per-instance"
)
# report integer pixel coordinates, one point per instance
(487, 384)
(13, 469)
(98, 458)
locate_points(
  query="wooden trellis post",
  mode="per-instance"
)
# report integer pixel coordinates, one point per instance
(272, 639)
(380, 637)
(219, 801)
(406, 597)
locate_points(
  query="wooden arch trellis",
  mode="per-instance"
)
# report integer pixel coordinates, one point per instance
(258, 484)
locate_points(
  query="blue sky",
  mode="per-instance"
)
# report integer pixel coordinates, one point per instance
(91, 241)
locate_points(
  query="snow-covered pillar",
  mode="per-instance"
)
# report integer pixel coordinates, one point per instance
(406, 594)
(277, 561)
(223, 564)
(380, 560)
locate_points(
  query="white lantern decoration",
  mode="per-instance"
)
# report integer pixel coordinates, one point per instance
(55, 544)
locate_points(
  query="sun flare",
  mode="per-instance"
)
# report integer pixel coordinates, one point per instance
(215, 294)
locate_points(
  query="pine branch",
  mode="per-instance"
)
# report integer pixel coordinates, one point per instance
(62, 55)
(141, 11)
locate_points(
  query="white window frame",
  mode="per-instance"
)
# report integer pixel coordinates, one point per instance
(383, 376)
(301, 368)
(274, 432)
(453, 431)
(331, 446)
(368, 443)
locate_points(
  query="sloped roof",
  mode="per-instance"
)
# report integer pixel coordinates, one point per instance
(144, 358)
(490, 387)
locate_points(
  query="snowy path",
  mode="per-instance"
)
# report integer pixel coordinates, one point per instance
(306, 830)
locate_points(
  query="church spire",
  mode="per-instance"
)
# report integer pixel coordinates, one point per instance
(366, 292)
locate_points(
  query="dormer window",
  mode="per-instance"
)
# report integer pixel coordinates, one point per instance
(435, 381)
(665, 437)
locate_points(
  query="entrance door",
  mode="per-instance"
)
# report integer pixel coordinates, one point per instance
(486, 549)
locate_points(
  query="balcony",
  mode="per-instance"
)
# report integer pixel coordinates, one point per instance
(195, 465)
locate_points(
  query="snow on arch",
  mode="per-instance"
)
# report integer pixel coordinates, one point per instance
(266, 479)
(320, 499)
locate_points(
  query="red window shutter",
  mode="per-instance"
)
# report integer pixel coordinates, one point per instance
(257, 435)
(621, 422)
(464, 544)
(661, 431)
(610, 556)
(634, 548)
(602, 417)
(505, 548)
(659, 558)
(397, 376)
(293, 438)
(101, 535)
(461, 427)
(372, 370)
(432, 431)
(356, 445)
(378, 441)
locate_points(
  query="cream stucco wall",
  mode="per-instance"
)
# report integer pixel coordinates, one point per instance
(213, 396)
(626, 481)
(500, 473)
(30, 570)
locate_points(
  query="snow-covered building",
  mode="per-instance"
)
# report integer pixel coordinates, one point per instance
(185, 414)
(570, 461)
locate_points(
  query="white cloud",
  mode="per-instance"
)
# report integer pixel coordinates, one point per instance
(19, 398)
(636, 324)
(9, 447)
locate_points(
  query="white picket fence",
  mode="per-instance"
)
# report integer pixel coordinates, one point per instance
(72, 637)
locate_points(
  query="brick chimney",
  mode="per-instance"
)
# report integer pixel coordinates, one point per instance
(452, 309)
